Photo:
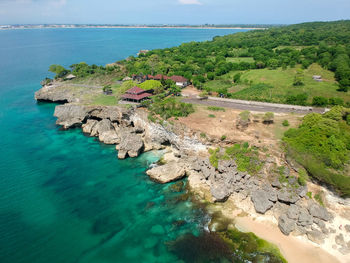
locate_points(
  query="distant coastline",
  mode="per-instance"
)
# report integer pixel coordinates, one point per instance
(248, 27)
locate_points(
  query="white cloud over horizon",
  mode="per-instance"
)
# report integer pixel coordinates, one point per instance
(190, 2)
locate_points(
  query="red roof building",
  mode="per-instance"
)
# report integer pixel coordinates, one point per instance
(136, 94)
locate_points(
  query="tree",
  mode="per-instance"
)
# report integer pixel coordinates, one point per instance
(107, 89)
(59, 70)
(150, 84)
(299, 78)
(174, 89)
(237, 77)
(210, 75)
(273, 63)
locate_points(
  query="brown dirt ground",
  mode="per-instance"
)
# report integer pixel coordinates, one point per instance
(224, 123)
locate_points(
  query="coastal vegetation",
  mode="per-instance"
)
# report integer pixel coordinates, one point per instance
(169, 107)
(274, 65)
(245, 156)
(321, 144)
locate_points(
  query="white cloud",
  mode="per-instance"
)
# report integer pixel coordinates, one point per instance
(190, 2)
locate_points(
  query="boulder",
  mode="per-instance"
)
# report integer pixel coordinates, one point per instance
(319, 211)
(70, 115)
(287, 196)
(130, 143)
(321, 225)
(168, 172)
(122, 154)
(305, 219)
(285, 224)
(226, 165)
(302, 191)
(276, 183)
(299, 231)
(109, 137)
(315, 236)
(88, 126)
(220, 192)
(293, 212)
(102, 126)
(347, 228)
(339, 240)
(261, 201)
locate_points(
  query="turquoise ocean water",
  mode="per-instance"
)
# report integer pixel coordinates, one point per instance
(65, 197)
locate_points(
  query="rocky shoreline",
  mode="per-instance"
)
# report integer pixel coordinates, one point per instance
(285, 202)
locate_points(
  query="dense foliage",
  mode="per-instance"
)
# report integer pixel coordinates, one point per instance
(170, 107)
(326, 43)
(322, 145)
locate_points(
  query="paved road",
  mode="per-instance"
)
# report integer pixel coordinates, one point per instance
(251, 107)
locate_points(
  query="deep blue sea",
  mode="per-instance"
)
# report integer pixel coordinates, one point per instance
(64, 197)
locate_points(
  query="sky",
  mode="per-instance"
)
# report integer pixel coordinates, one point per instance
(171, 11)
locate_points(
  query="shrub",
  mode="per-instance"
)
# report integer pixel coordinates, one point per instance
(215, 108)
(335, 101)
(268, 117)
(319, 198)
(309, 194)
(319, 101)
(299, 99)
(211, 116)
(170, 107)
(204, 94)
(210, 75)
(285, 123)
(237, 78)
(245, 115)
(303, 177)
(203, 135)
(223, 137)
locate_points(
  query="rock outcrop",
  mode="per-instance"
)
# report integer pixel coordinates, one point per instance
(286, 224)
(169, 172)
(261, 201)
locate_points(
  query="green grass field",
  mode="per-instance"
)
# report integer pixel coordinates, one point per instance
(282, 82)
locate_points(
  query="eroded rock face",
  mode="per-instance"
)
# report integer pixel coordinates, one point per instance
(285, 224)
(88, 126)
(261, 201)
(169, 172)
(55, 94)
(70, 115)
